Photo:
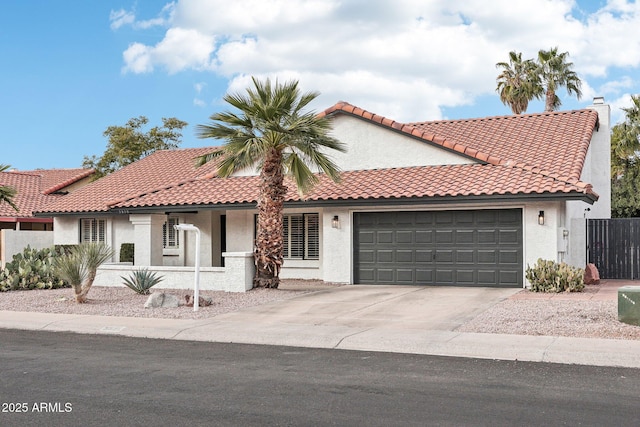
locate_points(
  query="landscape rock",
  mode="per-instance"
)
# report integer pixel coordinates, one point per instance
(202, 301)
(591, 275)
(162, 300)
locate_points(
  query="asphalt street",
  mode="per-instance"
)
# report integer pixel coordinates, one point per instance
(65, 379)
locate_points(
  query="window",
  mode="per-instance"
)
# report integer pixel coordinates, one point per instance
(301, 236)
(92, 230)
(170, 236)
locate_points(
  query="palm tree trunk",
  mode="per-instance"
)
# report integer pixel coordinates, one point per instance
(269, 238)
(549, 100)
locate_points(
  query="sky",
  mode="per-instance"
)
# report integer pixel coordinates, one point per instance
(70, 69)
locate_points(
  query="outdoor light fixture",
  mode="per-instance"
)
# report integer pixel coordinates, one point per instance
(196, 285)
(541, 218)
(335, 222)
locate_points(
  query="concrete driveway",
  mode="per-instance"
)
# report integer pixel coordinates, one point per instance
(376, 306)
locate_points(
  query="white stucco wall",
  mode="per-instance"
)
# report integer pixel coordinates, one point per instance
(240, 226)
(202, 220)
(15, 241)
(597, 170)
(121, 232)
(374, 147)
(66, 230)
(337, 248)
(543, 241)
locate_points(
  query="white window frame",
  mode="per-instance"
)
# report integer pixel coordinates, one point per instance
(93, 230)
(301, 236)
(170, 236)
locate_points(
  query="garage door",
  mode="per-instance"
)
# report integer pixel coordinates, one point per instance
(463, 248)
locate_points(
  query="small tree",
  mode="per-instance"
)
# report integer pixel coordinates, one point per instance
(129, 143)
(79, 267)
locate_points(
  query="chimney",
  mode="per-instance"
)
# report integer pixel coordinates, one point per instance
(600, 159)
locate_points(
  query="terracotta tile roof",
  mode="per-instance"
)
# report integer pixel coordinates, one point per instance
(377, 184)
(152, 173)
(29, 196)
(556, 143)
(53, 180)
(517, 155)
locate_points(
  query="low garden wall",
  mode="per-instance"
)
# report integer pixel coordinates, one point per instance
(235, 276)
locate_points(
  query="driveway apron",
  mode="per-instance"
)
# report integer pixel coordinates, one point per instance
(376, 306)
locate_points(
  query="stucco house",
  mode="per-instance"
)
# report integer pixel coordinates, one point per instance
(34, 190)
(452, 202)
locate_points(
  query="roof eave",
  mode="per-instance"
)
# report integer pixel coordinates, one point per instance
(589, 198)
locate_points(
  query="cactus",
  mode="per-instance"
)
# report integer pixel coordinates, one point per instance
(549, 276)
(31, 269)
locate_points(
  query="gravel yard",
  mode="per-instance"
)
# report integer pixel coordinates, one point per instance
(526, 313)
(122, 301)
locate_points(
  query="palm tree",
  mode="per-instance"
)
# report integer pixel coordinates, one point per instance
(555, 72)
(7, 193)
(272, 133)
(518, 82)
(625, 140)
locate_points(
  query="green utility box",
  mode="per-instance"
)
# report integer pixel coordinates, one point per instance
(629, 305)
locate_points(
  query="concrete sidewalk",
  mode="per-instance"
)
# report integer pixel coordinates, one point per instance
(420, 320)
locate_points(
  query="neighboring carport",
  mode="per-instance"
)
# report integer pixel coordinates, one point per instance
(448, 247)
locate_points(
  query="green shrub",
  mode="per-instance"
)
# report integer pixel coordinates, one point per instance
(142, 280)
(549, 276)
(127, 251)
(31, 269)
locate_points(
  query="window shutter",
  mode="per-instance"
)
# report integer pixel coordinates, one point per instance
(93, 230)
(85, 230)
(170, 236)
(102, 226)
(312, 236)
(296, 236)
(285, 239)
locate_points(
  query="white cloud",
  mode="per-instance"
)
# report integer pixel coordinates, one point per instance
(137, 59)
(121, 17)
(403, 58)
(171, 53)
(199, 87)
(617, 115)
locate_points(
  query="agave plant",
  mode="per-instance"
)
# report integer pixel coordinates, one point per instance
(141, 281)
(80, 266)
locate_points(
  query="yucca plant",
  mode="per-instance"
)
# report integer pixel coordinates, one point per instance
(141, 281)
(80, 266)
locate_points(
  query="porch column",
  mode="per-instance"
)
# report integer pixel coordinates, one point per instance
(239, 271)
(148, 238)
